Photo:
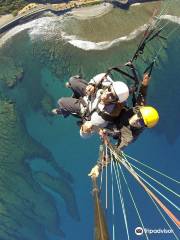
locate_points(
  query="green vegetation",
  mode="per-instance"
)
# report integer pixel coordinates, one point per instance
(12, 6)
(9, 6)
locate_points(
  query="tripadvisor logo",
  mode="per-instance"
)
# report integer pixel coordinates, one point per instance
(139, 231)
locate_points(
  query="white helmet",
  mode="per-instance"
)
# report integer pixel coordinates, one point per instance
(121, 90)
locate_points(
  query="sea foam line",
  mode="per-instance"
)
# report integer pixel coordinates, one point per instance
(41, 27)
(88, 45)
(171, 18)
(135, 4)
(50, 27)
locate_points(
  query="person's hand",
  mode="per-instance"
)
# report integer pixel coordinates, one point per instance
(94, 172)
(102, 132)
(146, 79)
(129, 63)
(103, 135)
(90, 89)
(87, 127)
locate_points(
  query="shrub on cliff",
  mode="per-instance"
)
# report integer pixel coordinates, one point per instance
(12, 6)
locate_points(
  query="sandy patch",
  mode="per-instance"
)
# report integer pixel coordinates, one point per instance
(5, 18)
(92, 11)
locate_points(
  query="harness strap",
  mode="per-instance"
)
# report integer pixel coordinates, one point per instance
(105, 116)
(149, 68)
(113, 116)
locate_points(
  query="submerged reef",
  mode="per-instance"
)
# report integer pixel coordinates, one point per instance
(10, 72)
(57, 185)
(54, 55)
(27, 210)
(47, 105)
(18, 64)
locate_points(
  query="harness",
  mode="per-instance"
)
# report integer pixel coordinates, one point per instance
(150, 33)
(110, 117)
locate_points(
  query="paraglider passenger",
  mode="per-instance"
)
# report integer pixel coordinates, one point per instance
(96, 102)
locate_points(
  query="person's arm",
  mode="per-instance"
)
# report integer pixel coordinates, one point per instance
(85, 135)
(97, 82)
(93, 84)
(141, 99)
(86, 129)
(114, 133)
(92, 126)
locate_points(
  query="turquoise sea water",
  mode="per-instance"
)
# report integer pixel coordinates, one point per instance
(42, 49)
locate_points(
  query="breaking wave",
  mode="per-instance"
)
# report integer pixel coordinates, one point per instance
(44, 28)
(135, 4)
(171, 18)
(88, 45)
(50, 27)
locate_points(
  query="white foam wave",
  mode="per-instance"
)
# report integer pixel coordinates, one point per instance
(171, 18)
(49, 27)
(135, 4)
(41, 27)
(88, 45)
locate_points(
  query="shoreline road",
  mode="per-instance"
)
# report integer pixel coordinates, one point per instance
(32, 13)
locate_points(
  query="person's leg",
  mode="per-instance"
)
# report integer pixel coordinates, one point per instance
(78, 86)
(69, 106)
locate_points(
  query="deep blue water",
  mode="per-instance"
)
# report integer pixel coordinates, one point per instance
(157, 147)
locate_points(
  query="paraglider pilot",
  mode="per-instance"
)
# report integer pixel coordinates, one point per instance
(131, 122)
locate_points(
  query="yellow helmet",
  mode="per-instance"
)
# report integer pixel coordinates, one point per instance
(150, 116)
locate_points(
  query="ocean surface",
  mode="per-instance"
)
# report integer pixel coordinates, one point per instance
(52, 48)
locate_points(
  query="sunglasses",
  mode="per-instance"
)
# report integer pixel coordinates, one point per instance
(140, 119)
(112, 94)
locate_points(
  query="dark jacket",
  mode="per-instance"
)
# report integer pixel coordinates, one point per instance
(122, 131)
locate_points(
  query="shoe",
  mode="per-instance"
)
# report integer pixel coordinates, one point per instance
(56, 111)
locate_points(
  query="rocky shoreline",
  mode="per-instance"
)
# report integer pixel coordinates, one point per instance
(33, 10)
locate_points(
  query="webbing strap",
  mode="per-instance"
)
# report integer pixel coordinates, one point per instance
(118, 69)
(149, 68)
